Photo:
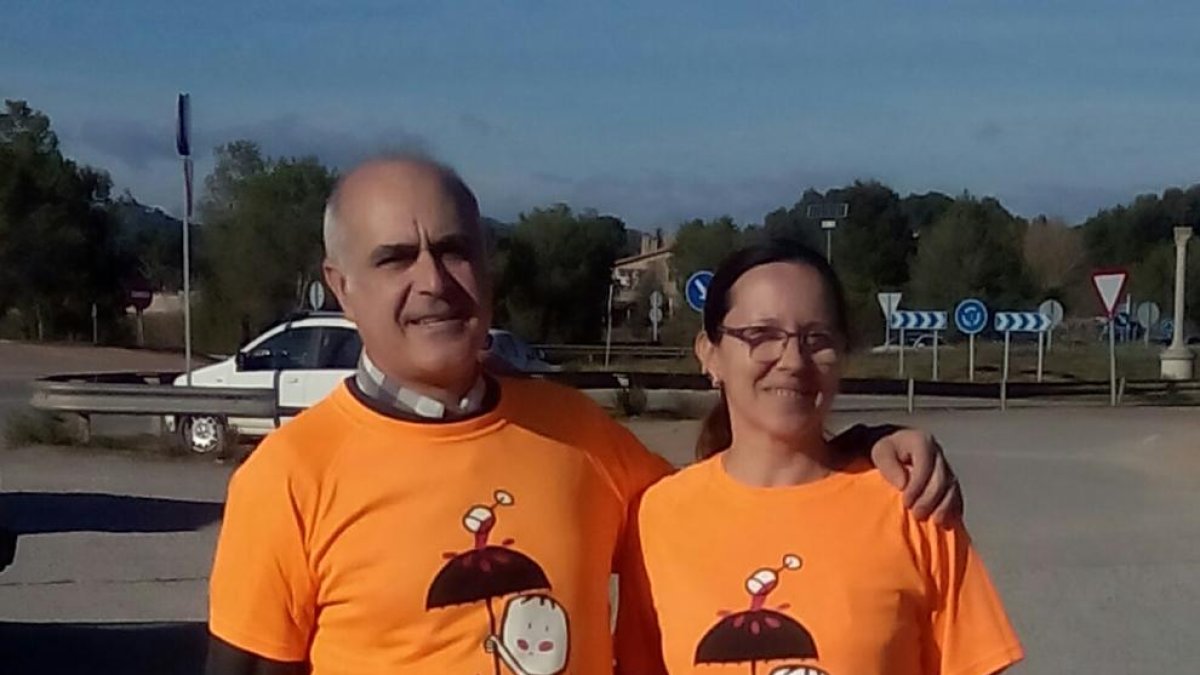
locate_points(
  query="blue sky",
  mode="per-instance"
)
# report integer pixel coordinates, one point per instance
(655, 111)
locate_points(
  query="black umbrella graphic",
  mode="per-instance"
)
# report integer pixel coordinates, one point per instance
(758, 634)
(485, 571)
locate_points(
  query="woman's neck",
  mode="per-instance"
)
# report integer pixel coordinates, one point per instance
(764, 461)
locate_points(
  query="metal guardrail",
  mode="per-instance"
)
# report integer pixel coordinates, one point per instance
(620, 351)
(147, 394)
(151, 393)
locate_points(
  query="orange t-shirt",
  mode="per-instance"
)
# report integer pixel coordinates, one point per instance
(833, 577)
(366, 544)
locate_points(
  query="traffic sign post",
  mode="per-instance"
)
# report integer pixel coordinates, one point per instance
(904, 320)
(1148, 314)
(971, 318)
(828, 214)
(889, 303)
(696, 289)
(140, 296)
(656, 314)
(1054, 310)
(1110, 286)
(1022, 322)
(1112, 363)
(183, 123)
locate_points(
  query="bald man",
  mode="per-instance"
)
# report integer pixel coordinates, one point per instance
(430, 516)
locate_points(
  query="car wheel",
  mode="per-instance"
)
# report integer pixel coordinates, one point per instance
(204, 434)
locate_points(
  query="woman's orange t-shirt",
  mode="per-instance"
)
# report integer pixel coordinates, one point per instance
(365, 544)
(832, 577)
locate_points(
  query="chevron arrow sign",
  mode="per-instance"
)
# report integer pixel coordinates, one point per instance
(1022, 322)
(909, 320)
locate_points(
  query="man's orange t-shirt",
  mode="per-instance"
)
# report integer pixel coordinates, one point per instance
(366, 544)
(834, 576)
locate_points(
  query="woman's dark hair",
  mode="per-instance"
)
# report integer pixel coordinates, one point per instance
(716, 434)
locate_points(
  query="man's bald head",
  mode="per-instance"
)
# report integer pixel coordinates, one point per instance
(406, 258)
(413, 174)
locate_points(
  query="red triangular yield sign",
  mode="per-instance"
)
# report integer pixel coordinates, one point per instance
(1110, 286)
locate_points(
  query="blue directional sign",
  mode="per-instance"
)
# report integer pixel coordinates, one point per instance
(1022, 322)
(971, 316)
(1167, 326)
(696, 290)
(1122, 319)
(909, 320)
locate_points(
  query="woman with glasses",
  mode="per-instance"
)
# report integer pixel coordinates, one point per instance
(776, 554)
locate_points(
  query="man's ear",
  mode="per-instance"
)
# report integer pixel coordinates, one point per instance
(336, 280)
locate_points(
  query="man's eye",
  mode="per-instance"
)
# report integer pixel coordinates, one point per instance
(393, 261)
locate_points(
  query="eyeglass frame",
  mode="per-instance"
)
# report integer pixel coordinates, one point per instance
(784, 337)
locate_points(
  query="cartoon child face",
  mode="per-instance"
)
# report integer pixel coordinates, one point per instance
(535, 634)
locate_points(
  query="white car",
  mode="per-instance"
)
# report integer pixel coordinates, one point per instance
(306, 357)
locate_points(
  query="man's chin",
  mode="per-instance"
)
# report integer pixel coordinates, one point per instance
(445, 362)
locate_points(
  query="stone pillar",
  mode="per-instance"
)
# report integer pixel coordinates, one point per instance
(1178, 361)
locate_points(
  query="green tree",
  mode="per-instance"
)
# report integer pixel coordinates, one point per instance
(1125, 234)
(701, 245)
(923, 210)
(514, 271)
(795, 224)
(262, 239)
(555, 273)
(1152, 279)
(973, 250)
(154, 240)
(1058, 263)
(58, 250)
(872, 246)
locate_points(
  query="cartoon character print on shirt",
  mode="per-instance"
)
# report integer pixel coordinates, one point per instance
(760, 634)
(535, 639)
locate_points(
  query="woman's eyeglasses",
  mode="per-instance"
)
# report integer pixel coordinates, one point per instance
(768, 343)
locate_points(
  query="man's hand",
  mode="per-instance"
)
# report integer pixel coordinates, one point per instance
(913, 461)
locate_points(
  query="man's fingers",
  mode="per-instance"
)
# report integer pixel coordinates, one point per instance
(886, 458)
(950, 512)
(936, 485)
(923, 455)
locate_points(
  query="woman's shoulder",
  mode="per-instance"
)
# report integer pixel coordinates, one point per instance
(680, 487)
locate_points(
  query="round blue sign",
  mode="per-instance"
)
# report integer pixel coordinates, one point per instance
(696, 289)
(1167, 326)
(971, 316)
(1122, 320)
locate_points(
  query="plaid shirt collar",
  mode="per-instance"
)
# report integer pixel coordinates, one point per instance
(384, 390)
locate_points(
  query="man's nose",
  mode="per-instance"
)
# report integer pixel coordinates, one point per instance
(429, 276)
